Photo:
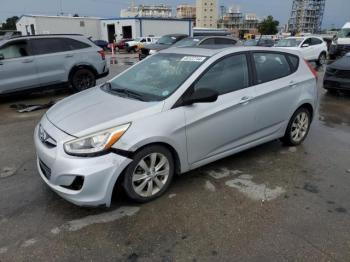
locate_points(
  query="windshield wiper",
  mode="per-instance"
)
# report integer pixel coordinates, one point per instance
(124, 91)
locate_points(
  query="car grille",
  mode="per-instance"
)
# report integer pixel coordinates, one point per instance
(338, 73)
(45, 169)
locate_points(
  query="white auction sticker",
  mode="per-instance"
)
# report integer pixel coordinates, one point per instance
(197, 59)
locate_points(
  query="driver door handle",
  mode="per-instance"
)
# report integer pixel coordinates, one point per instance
(29, 60)
(245, 99)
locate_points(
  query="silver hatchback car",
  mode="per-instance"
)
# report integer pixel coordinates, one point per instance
(173, 112)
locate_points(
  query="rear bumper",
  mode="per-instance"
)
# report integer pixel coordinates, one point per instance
(104, 74)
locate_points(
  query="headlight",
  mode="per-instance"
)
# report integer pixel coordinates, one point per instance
(152, 52)
(97, 143)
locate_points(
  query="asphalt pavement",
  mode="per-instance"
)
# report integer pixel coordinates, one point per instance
(270, 203)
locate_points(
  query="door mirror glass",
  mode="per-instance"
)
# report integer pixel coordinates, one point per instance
(305, 45)
(2, 57)
(202, 95)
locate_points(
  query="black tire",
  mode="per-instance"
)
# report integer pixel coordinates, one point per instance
(143, 154)
(82, 79)
(322, 59)
(288, 139)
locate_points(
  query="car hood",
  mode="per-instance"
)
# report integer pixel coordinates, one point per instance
(342, 63)
(94, 110)
(157, 47)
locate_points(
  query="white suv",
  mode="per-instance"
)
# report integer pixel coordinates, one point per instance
(312, 48)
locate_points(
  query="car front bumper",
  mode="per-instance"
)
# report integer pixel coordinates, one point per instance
(59, 170)
(336, 83)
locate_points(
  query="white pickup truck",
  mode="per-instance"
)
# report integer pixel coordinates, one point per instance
(341, 44)
(132, 46)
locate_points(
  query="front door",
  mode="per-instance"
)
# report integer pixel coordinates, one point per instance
(307, 51)
(18, 68)
(215, 128)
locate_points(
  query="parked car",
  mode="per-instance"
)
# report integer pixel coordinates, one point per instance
(175, 111)
(45, 60)
(337, 76)
(207, 41)
(9, 34)
(102, 43)
(164, 42)
(133, 46)
(121, 44)
(260, 42)
(312, 48)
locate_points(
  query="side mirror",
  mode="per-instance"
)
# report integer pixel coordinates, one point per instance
(202, 95)
(305, 45)
(2, 57)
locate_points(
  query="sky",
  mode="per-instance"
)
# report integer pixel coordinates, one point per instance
(337, 11)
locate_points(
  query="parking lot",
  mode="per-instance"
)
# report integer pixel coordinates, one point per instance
(270, 203)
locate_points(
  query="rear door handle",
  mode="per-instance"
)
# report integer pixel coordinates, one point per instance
(245, 100)
(28, 60)
(69, 55)
(292, 84)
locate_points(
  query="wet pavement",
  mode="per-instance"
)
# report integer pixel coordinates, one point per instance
(270, 203)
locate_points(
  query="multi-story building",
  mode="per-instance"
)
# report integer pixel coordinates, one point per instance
(306, 16)
(162, 11)
(239, 23)
(206, 13)
(186, 11)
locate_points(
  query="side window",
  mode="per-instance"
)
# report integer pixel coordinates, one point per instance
(143, 40)
(15, 49)
(210, 41)
(74, 44)
(307, 41)
(227, 75)
(294, 60)
(44, 46)
(270, 66)
(315, 41)
(225, 41)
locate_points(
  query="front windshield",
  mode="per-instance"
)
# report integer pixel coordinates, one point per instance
(253, 42)
(291, 42)
(157, 77)
(166, 40)
(187, 42)
(344, 33)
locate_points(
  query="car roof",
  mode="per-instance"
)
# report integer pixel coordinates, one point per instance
(176, 35)
(210, 51)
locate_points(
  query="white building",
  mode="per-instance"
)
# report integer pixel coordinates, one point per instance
(40, 24)
(206, 13)
(119, 28)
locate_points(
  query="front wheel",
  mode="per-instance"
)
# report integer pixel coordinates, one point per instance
(149, 174)
(298, 127)
(82, 79)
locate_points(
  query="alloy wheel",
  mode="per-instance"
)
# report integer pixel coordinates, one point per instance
(150, 174)
(300, 127)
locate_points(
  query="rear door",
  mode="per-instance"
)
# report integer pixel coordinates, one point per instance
(318, 47)
(308, 52)
(277, 90)
(18, 68)
(54, 58)
(215, 128)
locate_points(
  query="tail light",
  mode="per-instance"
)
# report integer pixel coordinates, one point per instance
(313, 71)
(102, 53)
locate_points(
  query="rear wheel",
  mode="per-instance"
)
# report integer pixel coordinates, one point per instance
(82, 79)
(298, 127)
(150, 174)
(322, 59)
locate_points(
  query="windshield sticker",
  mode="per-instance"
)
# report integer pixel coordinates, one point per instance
(197, 59)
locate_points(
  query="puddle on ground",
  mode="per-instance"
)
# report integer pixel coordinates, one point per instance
(257, 192)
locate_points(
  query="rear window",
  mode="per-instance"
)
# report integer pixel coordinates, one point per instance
(270, 66)
(42, 46)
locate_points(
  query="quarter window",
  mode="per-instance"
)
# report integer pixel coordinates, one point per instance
(75, 45)
(270, 66)
(294, 60)
(15, 49)
(224, 41)
(227, 75)
(315, 41)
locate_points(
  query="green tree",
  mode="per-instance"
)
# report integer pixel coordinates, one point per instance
(268, 26)
(10, 23)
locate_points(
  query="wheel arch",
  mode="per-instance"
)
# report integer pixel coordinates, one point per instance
(75, 68)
